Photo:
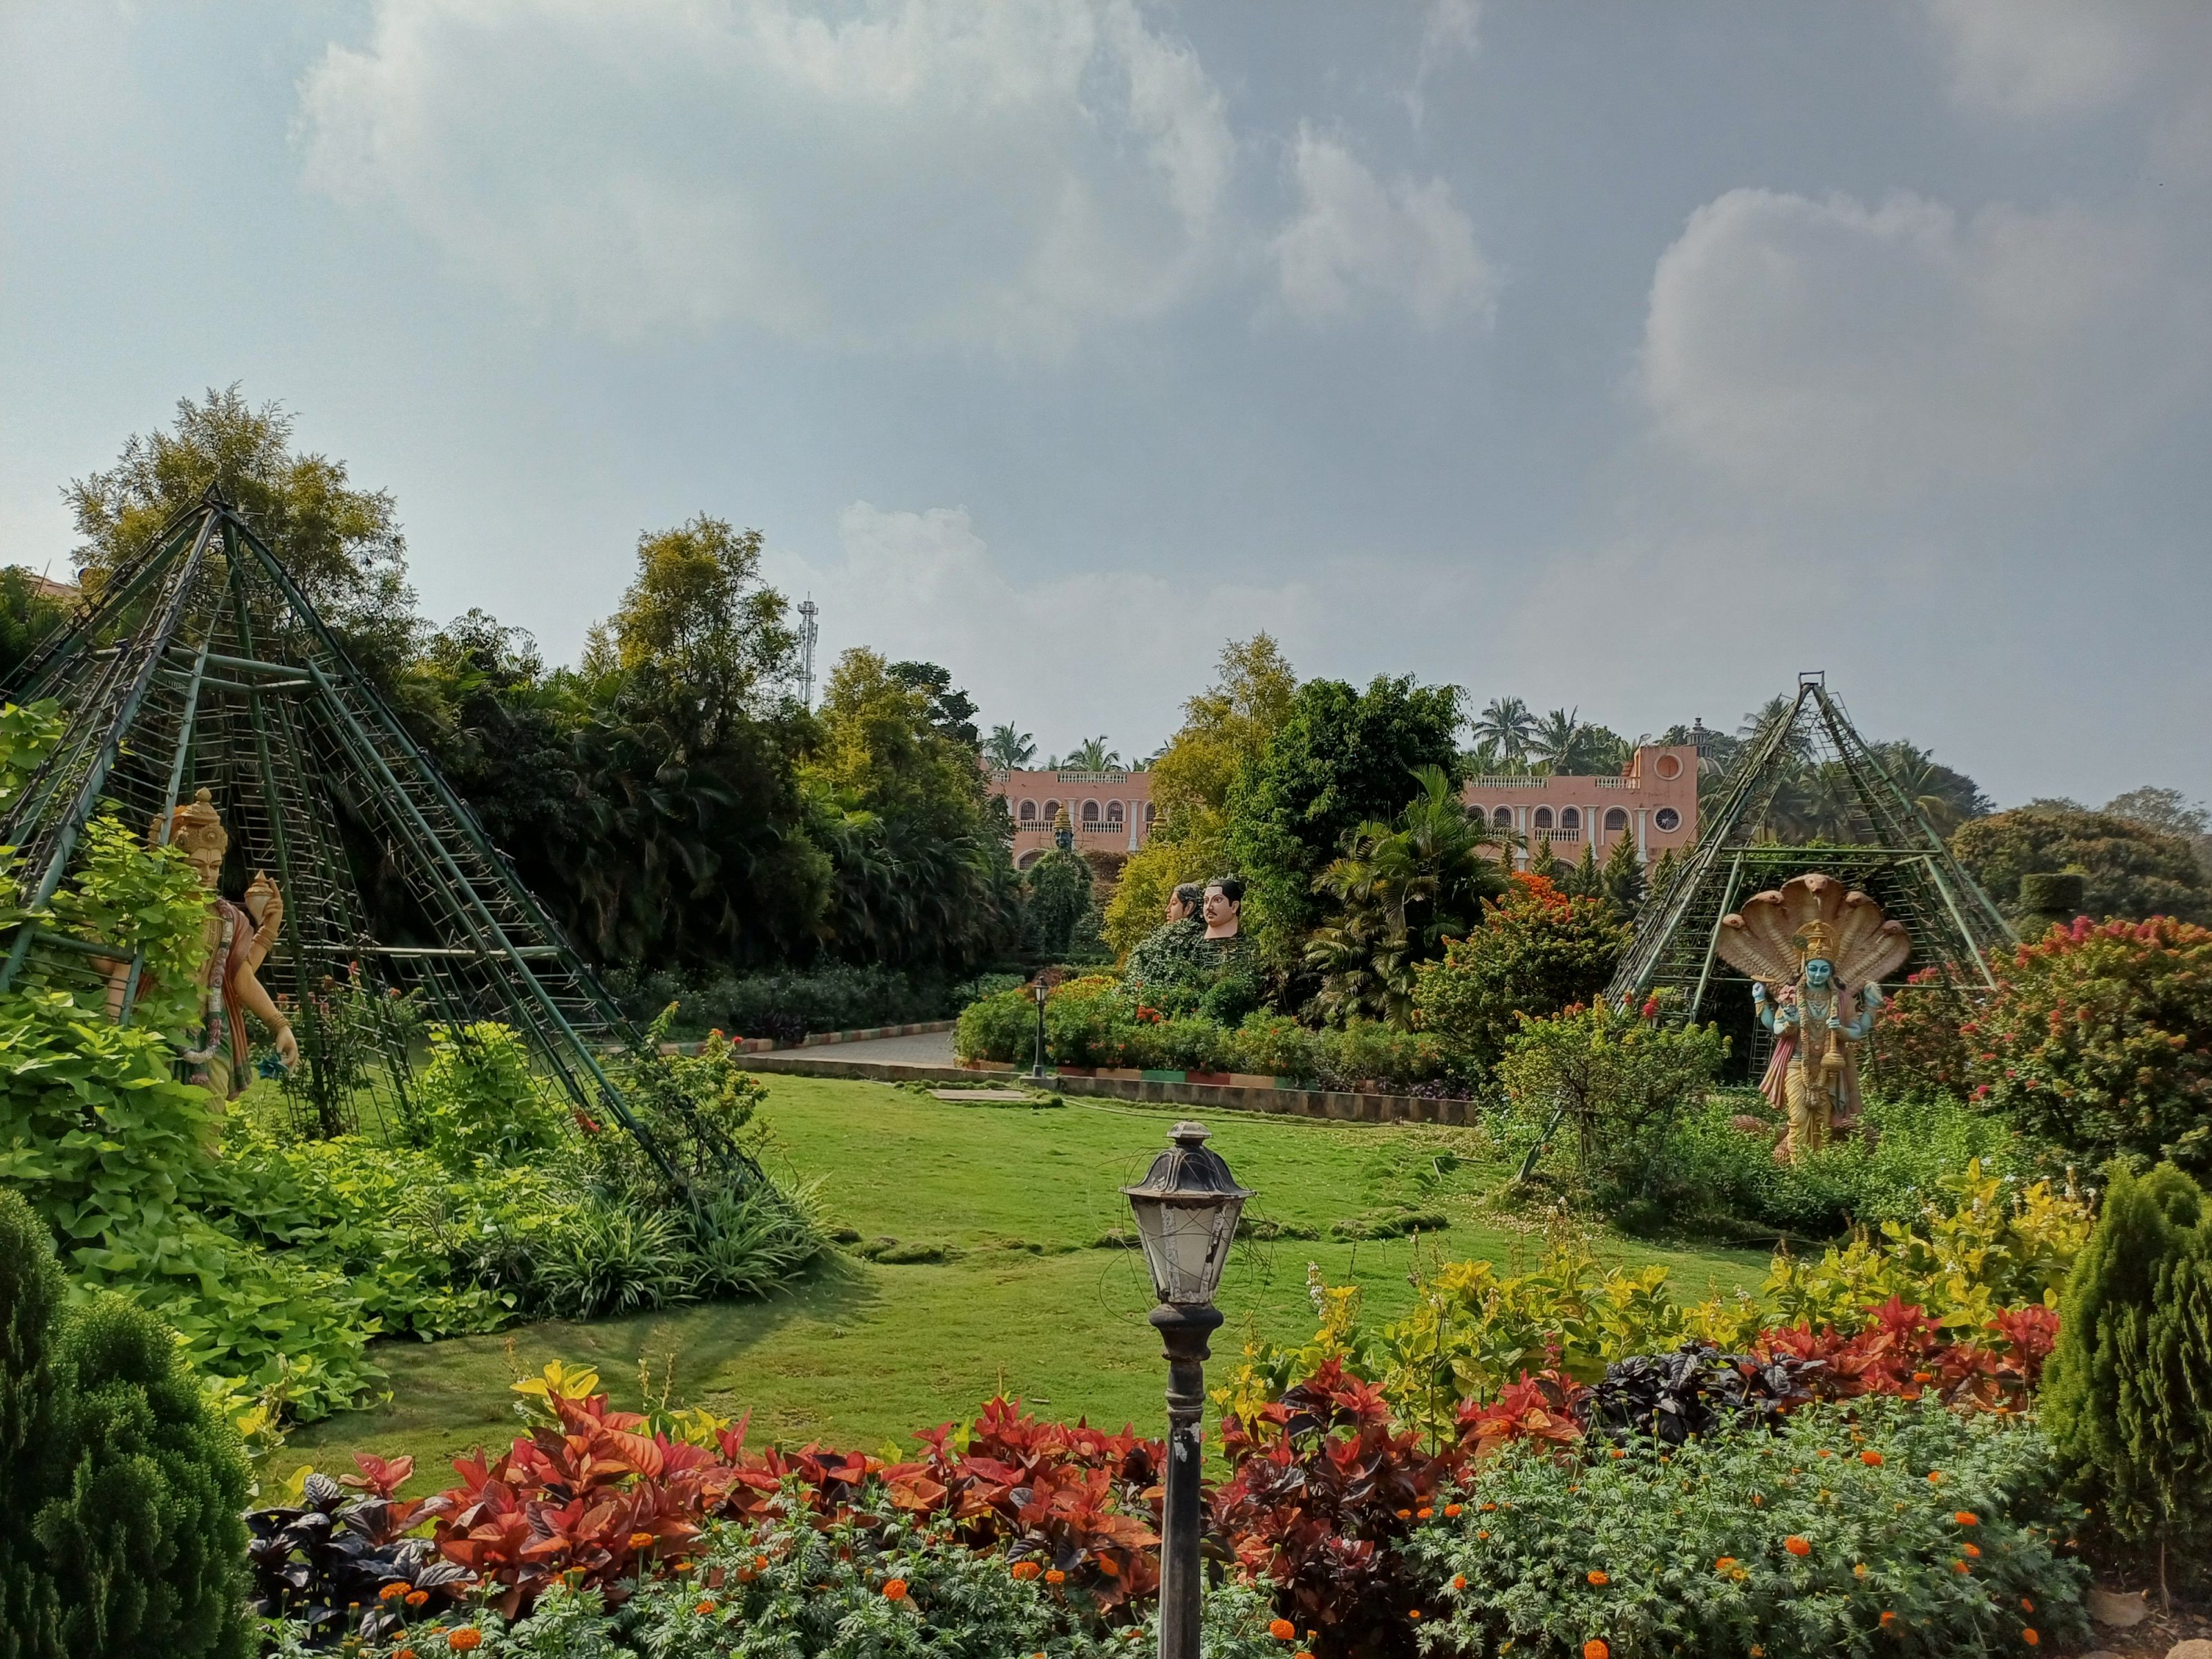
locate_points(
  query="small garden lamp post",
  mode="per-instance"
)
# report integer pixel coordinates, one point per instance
(1186, 1211)
(1038, 990)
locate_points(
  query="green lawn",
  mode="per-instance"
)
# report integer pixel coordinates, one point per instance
(1024, 1302)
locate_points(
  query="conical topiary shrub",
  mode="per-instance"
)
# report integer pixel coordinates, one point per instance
(2127, 1397)
(121, 1535)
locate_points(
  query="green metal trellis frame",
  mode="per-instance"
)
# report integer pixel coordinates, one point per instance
(201, 663)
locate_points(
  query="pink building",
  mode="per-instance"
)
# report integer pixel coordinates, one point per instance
(1654, 800)
(1111, 812)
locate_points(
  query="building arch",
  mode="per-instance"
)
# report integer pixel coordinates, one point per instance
(1571, 817)
(1051, 813)
(1090, 811)
(1503, 817)
(1114, 811)
(1028, 859)
(1616, 821)
(1028, 814)
(1543, 817)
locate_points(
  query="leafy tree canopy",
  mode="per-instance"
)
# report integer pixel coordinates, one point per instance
(341, 544)
(2129, 869)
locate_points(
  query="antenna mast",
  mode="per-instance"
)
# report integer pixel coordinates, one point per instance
(808, 630)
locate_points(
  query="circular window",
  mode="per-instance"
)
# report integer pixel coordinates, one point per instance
(1667, 818)
(1669, 766)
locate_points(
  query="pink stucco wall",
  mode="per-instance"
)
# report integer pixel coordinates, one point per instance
(1111, 811)
(1655, 802)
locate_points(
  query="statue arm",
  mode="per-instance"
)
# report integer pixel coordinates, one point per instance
(252, 996)
(1870, 1005)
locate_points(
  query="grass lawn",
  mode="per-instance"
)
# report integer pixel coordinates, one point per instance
(1024, 1302)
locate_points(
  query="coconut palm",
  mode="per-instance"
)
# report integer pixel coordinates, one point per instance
(1092, 755)
(1555, 739)
(1507, 727)
(1007, 749)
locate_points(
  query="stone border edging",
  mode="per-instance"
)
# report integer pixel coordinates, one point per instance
(818, 1039)
(1335, 1105)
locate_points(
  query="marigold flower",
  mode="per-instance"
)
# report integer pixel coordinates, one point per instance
(1405, 1514)
(2026, 1606)
(1413, 1613)
(467, 1637)
(1871, 1459)
(1459, 1581)
(1858, 1568)
(1451, 1509)
(417, 1598)
(1025, 1570)
(680, 1567)
(760, 1564)
(1480, 1537)
(1959, 1566)
(1935, 1477)
(392, 1591)
(1797, 1546)
(1594, 1649)
(405, 1653)
(2029, 1636)
(895, 1591)
(1486, 1508)
(640, 1540)
(1824, 1452)
(1423, 1515)
(1281, 1629)
(704, 1606)
(1967, 1518)
(1056, 1576)
(1618, 1452)
(1887, 1619)
(1724, 1563)
(1597, 1578)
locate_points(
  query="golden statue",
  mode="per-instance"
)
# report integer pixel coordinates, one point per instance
(218, 1050)
(1813, 950)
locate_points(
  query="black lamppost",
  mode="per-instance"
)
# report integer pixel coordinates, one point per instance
(1039, 990)
(1187, 1212)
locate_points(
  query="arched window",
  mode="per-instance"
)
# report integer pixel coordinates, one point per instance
(1152, 811)
(1113, 811)
(1503, 817)
(1027, 859)
(1090, 811)
(1051, 813)
(1571, 817)
(1616, 821)
(1543, 817)
(1029, 811)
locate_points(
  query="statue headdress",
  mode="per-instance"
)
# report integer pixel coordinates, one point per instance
(193, 826)
(1778, 931)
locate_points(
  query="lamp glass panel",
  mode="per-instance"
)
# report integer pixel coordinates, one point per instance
(1186, 1245)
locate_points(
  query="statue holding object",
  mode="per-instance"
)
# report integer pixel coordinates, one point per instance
(219, 1050)
(1814, 952)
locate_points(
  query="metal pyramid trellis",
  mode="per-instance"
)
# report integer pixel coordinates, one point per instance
(1808, 793)
(200, 664)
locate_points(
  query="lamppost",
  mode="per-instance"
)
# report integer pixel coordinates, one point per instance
(1039, 990)
(1186, 1210)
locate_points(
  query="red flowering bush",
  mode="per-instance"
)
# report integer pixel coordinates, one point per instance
(2099, 1037)
(1538, 951)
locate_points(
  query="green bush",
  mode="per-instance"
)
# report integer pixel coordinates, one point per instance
(608, 1257)
(1616, 1086)
(1667, 1550)
(2128, 1395)
(1537, 951)
(478, 1101)
(1001, 1026)
(789, 1003)
(752, 1242)
(120, 1532)
(1709, 1170)
(1365, 1051)
(1275, 1045)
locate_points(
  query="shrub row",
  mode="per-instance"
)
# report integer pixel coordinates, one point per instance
(791, 1003)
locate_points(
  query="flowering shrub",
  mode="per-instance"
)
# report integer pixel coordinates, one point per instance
(2098, 1037)
(1537, 951)
(1897, 1520)
(874, 1583)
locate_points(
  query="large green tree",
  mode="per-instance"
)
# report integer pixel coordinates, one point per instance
(1340, 758)
(2129, 869)
(341, 544)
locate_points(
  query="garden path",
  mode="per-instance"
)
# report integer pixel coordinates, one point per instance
(921, 1049)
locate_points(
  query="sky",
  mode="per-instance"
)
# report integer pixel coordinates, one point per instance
(1625, 359)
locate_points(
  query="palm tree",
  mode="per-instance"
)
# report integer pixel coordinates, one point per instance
(1506, 725)
(1092, 755)
(1007, 749)
(1555, 739)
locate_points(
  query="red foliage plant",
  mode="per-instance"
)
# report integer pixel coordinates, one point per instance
(592, 1496)
(1905, 1353)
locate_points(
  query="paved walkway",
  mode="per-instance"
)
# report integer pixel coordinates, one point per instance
(929, 1048)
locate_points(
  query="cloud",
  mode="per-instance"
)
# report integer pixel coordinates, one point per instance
(1826, 348)
(2058, 61)
(1353, 237)
(1447, 34)
(1053, 652)
(917, 172)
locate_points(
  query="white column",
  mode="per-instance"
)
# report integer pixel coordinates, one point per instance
(1643, 850)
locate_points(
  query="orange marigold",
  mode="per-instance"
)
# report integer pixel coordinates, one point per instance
(1967, 1518)
(1724, 1563)
(1451, 1509)
(1405, 1514)
(417, 1598)
(1056, 1576)
(1887, 1619)
(704, 1606)
(640, 1540)
(895, 1591)
(1597, 1578)
(1459, 1581)
(2026, 1606)
(1281, 1629)
(1423, 1514)
(1413, 1613)
(1481, 1537)
(1974, 1550)
(2029, 1636)
(392, 1591)
(1871, 1459)
(1594, 1649)
(1797, 1546)
(467, 1637)
(1025, 1570)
